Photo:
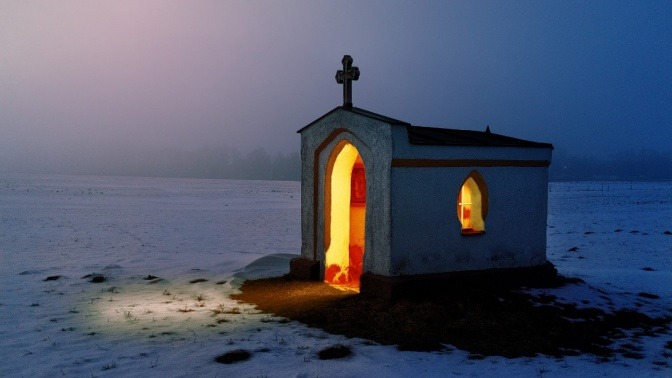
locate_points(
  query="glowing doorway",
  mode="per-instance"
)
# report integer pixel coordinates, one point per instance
(345, 214)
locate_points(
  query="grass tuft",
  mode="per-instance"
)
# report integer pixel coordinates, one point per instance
(199, 297)
(110, 366)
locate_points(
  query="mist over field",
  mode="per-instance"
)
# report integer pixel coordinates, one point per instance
(219, 88)
(225, 162)
(212, 161)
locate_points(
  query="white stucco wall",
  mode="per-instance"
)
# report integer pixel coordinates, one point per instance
(373, 140)
(426, 233)
(411, 222)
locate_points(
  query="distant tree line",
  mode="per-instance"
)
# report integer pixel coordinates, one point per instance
(642, 165)
(228, 163)
(222, 162)
(225, 162)
(215, 161)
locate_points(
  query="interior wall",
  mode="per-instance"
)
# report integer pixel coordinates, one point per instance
(357, 225)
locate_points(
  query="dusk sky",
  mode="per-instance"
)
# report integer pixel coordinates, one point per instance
(591, 77)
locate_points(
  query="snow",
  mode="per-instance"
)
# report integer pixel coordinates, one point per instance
(220, 231)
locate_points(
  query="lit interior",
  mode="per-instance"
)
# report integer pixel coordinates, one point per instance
(469, 207)
(345, 252)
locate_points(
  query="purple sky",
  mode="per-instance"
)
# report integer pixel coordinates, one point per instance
(588, 76)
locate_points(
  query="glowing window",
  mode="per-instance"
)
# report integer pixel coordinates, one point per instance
(472, 204)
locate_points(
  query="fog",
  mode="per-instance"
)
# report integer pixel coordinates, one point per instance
(151, 87)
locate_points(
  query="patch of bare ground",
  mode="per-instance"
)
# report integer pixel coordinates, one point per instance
(483, 321)
(334, 352)
(233, 356)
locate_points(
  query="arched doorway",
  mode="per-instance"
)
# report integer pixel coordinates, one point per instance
(345, 216)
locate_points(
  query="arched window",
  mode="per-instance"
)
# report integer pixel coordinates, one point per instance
(472, 204)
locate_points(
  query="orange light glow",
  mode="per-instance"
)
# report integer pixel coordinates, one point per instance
(469, 202)
(344, 256)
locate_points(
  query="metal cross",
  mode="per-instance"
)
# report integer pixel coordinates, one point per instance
(345, 77)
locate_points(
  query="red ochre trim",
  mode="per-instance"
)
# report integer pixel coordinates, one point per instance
(438, 163)
(471, 232)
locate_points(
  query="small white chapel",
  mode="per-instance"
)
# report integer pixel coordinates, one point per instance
(385, 202)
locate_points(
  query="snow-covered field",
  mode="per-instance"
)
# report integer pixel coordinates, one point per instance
(614, 236)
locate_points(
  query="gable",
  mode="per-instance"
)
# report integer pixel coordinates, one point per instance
(358, 111)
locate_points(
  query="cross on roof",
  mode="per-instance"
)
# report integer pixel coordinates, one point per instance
(345, 77)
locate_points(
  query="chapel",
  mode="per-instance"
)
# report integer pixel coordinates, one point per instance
(386, 203)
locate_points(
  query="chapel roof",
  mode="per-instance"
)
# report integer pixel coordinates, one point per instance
(435, 136)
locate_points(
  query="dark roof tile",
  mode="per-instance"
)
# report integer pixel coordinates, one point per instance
(419, 135)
